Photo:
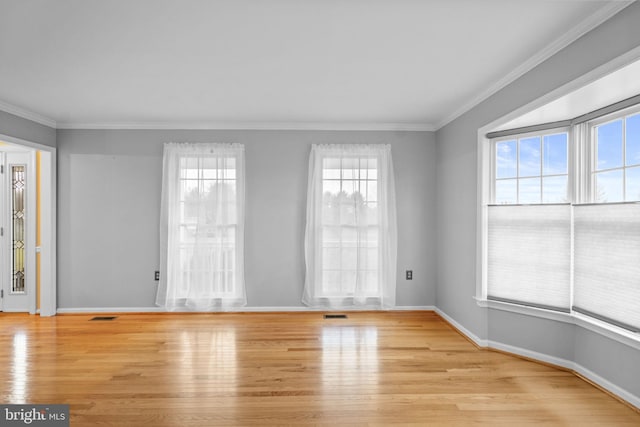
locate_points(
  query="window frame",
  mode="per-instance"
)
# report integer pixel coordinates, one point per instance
(517, 137)
(185, 224)
(591, 147)
(359, 157)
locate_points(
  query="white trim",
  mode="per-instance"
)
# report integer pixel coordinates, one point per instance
(612, 332)
(588, 24)
(48, 186)
(473, 337)
(556, 361)
(607, 330)
(26, 114)
(608, 385)
(526, 310)
(89, 310)
(415, 127)
(30, 231)
(414, 308)
(572, 366)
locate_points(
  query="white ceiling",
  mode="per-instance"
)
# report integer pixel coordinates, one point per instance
(334, 64)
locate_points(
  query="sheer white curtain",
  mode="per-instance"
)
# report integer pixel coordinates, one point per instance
(351, 232)
(202, 227)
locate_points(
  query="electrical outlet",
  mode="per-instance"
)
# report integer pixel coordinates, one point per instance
(409, 274)
(156, 276)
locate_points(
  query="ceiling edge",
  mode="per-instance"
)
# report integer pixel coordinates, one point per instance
(594, 20)
(26, 114)
(326, 126)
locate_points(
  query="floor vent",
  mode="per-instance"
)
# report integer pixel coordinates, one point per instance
(104, 318)
(335, 316)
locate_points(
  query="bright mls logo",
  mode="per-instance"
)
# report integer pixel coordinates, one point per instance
(35, 415)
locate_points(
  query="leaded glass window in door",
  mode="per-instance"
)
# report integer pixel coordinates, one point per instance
(18, 228)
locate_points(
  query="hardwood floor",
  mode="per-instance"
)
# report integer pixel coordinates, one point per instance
(374, 368)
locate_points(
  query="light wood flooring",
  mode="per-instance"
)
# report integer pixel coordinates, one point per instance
(298, 369)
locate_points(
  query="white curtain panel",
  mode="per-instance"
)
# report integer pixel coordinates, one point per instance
(202, 227)
(351, 231)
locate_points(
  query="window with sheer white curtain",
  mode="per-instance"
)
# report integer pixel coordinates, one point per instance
(202, 227)
(351, 231)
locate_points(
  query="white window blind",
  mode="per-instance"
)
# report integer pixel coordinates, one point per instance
(607, 263)
(529, 255)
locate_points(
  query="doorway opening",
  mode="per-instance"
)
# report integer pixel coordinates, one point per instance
(27, 227)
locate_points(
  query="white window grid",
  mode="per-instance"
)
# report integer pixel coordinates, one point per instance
(360, 177)
(202, 172)
(541, 174)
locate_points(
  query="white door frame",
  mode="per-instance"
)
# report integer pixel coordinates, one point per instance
(47, 247)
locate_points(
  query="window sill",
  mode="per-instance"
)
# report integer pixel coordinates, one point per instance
(615, 333)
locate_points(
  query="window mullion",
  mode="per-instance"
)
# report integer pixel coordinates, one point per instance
(518, 170)
(541, 148)
(624, 159)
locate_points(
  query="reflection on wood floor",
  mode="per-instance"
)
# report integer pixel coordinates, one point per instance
(373, 368)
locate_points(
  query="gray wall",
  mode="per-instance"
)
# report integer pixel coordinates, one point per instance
(109, 184)
(456, 151)
(18, 127)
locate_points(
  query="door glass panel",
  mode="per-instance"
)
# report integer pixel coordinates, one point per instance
(18, 237)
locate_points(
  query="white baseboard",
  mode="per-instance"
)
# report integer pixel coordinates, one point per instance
(89, 310)
(473, 337)
(530, 354)
(608, 385)
(557, 361)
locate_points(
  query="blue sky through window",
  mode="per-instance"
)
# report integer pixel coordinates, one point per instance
(529, 161)
(633, 140)
(506, 155)
(610, 145)
(620, 152)
(555, 154)
(532, 170)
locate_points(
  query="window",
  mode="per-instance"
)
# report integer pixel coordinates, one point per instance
(202, 227)
(562, 234)
(529, 234)
(351, 230)
(616, 172)
(531, 169)
(607, 232)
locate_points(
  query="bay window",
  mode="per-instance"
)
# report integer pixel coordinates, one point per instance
(562, 228)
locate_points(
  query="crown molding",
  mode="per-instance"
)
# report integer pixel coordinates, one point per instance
(325, 126)
(586, 25)
(26, 114)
